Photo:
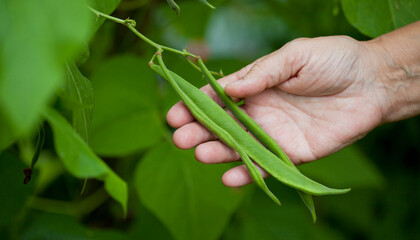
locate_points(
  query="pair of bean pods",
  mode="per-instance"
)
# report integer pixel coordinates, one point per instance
(262, 149)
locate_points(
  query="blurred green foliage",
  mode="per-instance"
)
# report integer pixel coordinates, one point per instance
(195, 192)
(376, 17)
(55, 54)
(36, 36)
(126, 118)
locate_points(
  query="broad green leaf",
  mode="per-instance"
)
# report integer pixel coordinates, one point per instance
(376, 17)
(80, 161)
(81, 100)
(36, 38)
(126, 118)
(349, 167)
(60, 227)
(187, 196)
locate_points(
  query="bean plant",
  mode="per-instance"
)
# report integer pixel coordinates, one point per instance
(55, 123)
(215, 119)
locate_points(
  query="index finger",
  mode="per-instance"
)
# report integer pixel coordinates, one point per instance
(179, 114)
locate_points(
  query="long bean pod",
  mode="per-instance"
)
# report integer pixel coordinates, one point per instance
(255, 130)
(274, 160)
(220, 132)
(207, 4)
(174, 6)
(199, 103)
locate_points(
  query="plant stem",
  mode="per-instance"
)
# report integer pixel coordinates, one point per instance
(131, 24)
(117, 20)
(163, 66)
(198, 68)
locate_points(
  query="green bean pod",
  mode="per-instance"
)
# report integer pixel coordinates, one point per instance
(255, 130)
(202, 105)
(213, 127)
(174, 6)
(207, 4)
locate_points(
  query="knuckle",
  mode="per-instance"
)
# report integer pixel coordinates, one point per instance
(294, 43)
(258, 67)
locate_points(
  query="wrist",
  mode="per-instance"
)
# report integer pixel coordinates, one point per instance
(396, 73)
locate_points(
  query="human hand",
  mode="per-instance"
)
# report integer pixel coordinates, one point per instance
(313, 96)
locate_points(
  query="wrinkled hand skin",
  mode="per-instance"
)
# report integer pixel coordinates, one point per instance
(314, 96)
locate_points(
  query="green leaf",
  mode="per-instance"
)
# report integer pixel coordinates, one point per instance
(55, 226)
(348, 167)
(376, 17)
(80, 161)
(36, 38)
(187, 196)
(81, 100)
(126, 118)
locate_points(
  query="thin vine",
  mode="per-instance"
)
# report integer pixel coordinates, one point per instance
(131, 24)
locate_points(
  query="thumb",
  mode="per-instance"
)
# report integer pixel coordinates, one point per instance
(266, 72)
